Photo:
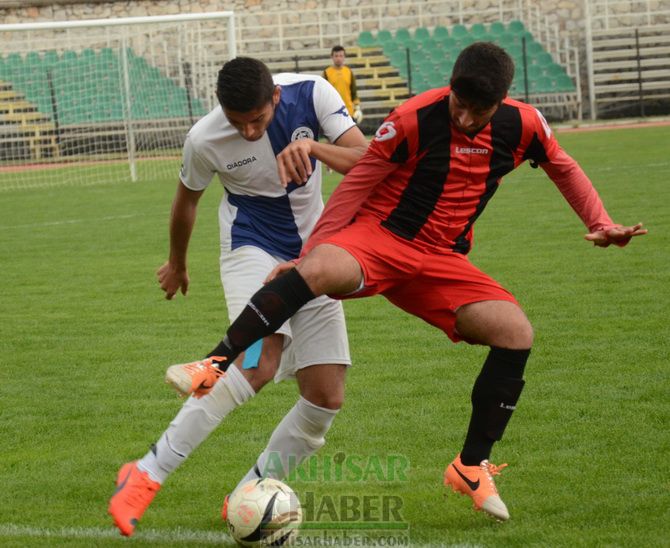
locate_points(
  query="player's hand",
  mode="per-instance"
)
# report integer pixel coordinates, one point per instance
(172, 279)
(619, 235)
(280, 269)
(358, 114)
(294, 162)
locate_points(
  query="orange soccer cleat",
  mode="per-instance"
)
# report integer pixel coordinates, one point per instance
(196, 378)
(477, 482)
(133, 495)
(224, 510)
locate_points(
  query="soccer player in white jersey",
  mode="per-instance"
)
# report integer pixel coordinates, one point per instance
(262, 143)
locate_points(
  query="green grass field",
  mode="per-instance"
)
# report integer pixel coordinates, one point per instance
(86, 336)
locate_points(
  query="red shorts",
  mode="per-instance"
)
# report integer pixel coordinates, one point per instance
(428, 285)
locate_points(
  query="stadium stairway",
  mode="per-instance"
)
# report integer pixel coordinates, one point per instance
(380, 86)
(26, 132)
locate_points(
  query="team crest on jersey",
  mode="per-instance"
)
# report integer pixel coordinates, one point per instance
(385, 132)
(303, 132)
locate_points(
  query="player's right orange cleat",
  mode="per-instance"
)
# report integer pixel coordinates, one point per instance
(196, 378)
(477, 482)
(133, 495)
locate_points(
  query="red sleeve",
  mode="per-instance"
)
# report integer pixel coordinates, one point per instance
(379, 161)
(578, 190)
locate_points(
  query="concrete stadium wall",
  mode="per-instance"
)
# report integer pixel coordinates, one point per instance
(567, 14)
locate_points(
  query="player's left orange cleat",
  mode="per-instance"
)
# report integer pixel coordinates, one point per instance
(477, 482)
(224, 510)
(196, 378)
(133, 495)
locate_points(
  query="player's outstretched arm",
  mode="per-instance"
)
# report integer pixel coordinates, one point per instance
(173, 274)
(618, 235)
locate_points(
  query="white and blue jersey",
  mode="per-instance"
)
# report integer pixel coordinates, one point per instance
(256, 210)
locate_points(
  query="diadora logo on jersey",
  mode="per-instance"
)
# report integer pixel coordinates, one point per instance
(385, 132)
(343, 111)
(303, 132)
(240, 163)
(471, 150)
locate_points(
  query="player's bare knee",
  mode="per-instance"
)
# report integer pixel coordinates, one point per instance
(325, 399)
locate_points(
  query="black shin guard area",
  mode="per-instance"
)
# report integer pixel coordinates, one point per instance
(267, 310)
(494, 398)
(494, 401)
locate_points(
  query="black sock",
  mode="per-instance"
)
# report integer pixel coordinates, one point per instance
(266, 311)
(494, 397)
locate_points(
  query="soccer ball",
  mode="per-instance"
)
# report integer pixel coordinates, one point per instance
(264, 512)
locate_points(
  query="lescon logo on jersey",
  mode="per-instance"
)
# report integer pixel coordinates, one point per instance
(471, 150)
(303, 132)
(385, 132)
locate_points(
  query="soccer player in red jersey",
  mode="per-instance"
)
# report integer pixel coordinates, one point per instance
(400, 224)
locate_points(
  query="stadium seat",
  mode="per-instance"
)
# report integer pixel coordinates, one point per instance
(366, 40)
(384, 36)
(421, 34)
(440, 32)
(565, 83)
(516, 27)
(543, 59)
(496, 28)
(478, 31)
(459, 32)
(554, 70)
(403, 37)
(533, 48)
(448, 42)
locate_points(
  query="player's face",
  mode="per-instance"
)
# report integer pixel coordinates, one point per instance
(338, 58)
(466, 117)
(251, 125)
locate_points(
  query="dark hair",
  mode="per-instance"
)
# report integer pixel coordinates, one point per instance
(244, 84)
(482, 74)
(336, 49)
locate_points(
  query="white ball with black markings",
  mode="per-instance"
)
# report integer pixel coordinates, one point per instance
(264, 512)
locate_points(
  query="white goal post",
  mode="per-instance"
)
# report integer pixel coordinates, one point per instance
(105, 100)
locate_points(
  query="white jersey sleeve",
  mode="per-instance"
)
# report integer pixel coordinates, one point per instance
(330, 110)
(196, 171)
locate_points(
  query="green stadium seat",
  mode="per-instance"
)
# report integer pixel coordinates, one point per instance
(478, 31)
(402, 35)
(516, 27)
(565, 83)
(440, 32)
(459, 32)
(431, 45)
(436, 80)
(366, 40)
(391, 47)
(448, 42)
(496, 28)
(543, 59)
(384, 36)
(421, 34)
(533, 48)
(419, 55)
(554, 70)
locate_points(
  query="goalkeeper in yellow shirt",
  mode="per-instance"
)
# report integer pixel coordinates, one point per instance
(342, 79)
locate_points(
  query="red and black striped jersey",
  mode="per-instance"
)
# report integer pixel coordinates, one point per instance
(443, 178)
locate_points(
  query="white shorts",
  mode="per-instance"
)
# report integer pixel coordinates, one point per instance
(316, 334)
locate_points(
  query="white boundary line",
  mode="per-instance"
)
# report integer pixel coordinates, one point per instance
(15, 530)
(76, 221)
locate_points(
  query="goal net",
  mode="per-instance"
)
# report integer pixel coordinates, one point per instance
(93, 101)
